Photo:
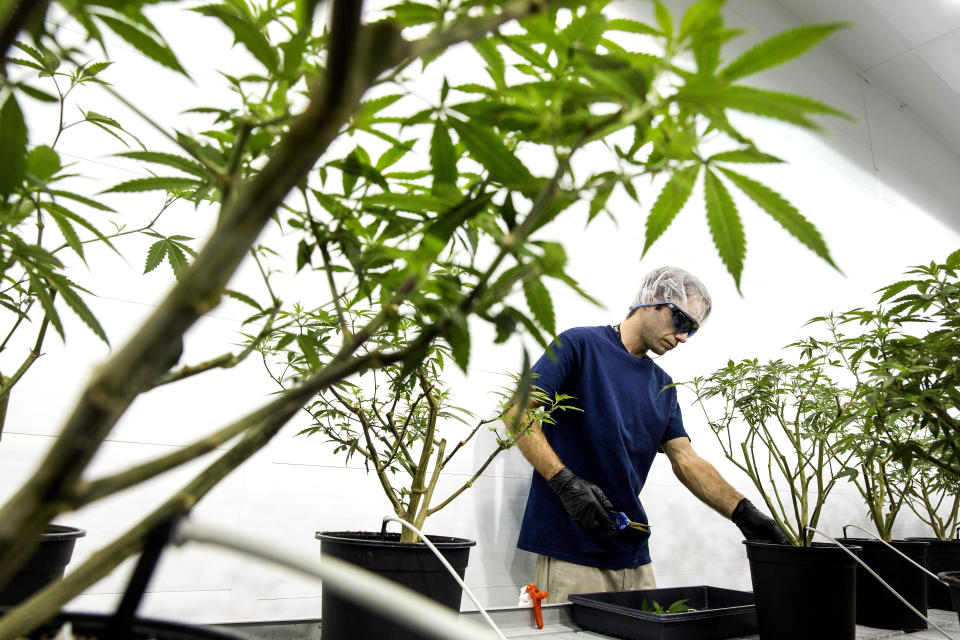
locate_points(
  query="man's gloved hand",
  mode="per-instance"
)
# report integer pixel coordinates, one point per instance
(756, 526)
(584, 501)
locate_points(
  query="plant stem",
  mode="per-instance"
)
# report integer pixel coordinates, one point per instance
(469, 483)
(8, 383)
(328, 268)
(224, 361)
(4, 403)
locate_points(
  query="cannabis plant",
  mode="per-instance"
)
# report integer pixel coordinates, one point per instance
(914, 366)
(782, 424)
(400, 423)
(935, 499)
(880, 478)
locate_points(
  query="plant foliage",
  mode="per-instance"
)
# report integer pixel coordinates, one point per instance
(782, 423)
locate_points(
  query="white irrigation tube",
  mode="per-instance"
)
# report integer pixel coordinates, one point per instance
(905, 556)
(874, 574)
(452, 571)
(378, 594)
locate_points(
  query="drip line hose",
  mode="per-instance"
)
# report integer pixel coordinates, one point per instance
(905, 556)
(377, 594)
(889, 588)
(452, 571)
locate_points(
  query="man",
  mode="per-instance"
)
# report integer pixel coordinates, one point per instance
(595, 461)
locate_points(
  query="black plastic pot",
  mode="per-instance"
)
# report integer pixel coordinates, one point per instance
(804, 592)
(951, 582)
(876, 606)
(92, 625)
(47, 564)
(943, 555)
(410, 564)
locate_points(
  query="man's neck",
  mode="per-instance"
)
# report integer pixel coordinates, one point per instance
(630, 337)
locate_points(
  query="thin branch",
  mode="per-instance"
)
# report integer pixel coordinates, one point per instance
(328, 268)
(4, 403)
(399, 437)
(20, 318)
(233, 169)
(8, 383)
(470, 436)
(469, 483)
(224, 361)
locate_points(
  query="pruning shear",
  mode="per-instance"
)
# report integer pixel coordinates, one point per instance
(621, 522)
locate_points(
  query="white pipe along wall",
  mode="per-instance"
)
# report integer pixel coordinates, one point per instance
(878, 197)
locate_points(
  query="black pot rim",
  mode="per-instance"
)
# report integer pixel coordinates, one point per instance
(373, 539)
(55, 532)
(950, 577)
(932, 540)
(906, 542)
(814, 546)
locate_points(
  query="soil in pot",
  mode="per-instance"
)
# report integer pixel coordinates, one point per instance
(412, 565)
(47, 564)
(876, 606)
(943, 555)
(804, 592)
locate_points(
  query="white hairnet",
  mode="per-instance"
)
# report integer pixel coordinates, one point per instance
(671, 284)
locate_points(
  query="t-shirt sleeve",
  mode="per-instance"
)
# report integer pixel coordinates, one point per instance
(675, 421)
(552, 374)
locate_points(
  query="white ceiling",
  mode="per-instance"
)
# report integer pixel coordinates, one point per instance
(909, 49)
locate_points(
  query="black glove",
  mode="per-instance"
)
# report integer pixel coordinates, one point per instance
(584, 501)
(756, 526)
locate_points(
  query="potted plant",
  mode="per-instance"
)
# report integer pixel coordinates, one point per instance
(399, 422)
(935, 499)
(781, 423)
(879, 477)
(909, 360)
(379, 211)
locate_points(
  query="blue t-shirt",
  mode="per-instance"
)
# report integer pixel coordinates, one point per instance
(626, 415)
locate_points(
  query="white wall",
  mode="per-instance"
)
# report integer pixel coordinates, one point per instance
(880, 197)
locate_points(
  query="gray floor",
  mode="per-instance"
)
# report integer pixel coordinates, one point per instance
(558, 625)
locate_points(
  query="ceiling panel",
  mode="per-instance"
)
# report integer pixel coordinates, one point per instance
(870, 40)
(943, 56)
(915, 84)
(919, 20)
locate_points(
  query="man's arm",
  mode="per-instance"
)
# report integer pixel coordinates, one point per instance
(532, 443)
(583, 501)
(703, 480)
(701, 477)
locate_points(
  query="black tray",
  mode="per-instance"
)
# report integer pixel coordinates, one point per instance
(721, 613)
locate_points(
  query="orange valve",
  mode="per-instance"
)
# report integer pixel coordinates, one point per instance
(535, 597)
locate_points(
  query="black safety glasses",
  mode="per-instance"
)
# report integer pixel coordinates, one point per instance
(682, 320)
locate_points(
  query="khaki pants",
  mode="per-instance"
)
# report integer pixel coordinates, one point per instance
(559, 579)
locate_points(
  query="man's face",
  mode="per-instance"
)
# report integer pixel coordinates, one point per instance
(660, 332)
